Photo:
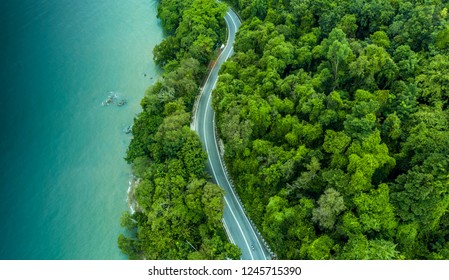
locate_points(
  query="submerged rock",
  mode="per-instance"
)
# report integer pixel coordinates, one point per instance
(108, 101)
(121, 102)
(113, 98)
(128, 129)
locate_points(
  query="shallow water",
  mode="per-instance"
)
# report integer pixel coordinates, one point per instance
(63, 177)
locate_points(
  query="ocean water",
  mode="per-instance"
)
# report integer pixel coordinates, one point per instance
(63, 179)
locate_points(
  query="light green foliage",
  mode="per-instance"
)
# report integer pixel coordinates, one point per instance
(375, 211)
(277, 219)
(380, 38)
(336, 142)
(351, 224)
(320, 248)
(407, 235)
(371, 158)
(330, 205)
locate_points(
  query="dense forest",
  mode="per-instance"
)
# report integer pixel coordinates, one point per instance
(335, 120)
(179, 211)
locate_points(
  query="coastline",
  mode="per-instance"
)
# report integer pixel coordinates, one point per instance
(131, 200)
(176, 197)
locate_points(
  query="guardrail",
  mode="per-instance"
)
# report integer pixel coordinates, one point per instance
(231, 183)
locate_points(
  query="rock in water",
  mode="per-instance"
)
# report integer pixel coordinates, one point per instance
(128, 129)
(121, 102)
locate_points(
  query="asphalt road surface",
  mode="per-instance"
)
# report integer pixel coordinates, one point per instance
(237, 225)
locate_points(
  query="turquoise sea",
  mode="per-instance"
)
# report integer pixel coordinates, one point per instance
(63, 180)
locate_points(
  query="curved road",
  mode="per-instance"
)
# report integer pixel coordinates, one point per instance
(237, 226)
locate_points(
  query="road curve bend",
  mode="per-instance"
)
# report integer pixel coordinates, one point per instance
(237, 225)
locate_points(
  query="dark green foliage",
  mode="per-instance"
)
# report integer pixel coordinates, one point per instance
(334, 116)
(194, 30)
(179, 213)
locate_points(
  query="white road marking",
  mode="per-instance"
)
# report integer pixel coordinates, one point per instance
(229, 50)
(215, 175)
(235, 218)
(221, 163)
(235, 196)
